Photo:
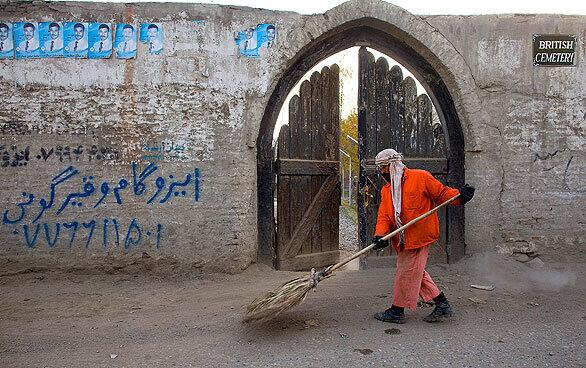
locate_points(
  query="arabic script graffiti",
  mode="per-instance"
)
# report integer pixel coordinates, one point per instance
(146, 184)
(70, 232)
(14, 156)
(165, 188)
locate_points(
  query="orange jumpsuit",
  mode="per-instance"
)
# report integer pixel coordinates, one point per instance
(420, 193)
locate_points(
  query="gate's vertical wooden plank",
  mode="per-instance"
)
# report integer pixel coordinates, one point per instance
(396, 127)
(362, 150)
(371, 122)
(397, 135)
(438, 137)
(371, 144)
(324, 128)
(294, 181)
(332, 114)
(333, 133)
(383, 132)
(367, 144)
(316, 151)
(283, 193)
(304, 185)
(333, 154)
(410, 118)
(424, 136)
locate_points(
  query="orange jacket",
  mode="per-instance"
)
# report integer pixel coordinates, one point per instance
(421, 193)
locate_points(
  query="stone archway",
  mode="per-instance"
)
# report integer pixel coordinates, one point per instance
(403, 47)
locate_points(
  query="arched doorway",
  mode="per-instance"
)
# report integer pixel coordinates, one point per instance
(385, 38)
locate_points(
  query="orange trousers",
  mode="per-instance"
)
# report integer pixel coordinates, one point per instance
(411, 279)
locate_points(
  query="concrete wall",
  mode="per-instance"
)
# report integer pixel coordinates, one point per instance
(200, 102)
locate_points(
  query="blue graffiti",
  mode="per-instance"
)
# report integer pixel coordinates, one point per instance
(43, 203)
(90, 225)
(105, 233)
(160, 184)
(88, 190)
(165, 147)
(132, 239)
(122, 184)
(117, 232)
(157, 190)
(139, 185)
(173, 186)
(5, 217)
(30, 242)
(136, 234)
(196, 184)
(60, 178)
(164, 150)
(105, 189)
(51, 242)
(71, 225)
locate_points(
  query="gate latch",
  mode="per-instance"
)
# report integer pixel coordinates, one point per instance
(365, 191)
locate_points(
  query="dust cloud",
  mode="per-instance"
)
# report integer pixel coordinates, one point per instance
(504, 272)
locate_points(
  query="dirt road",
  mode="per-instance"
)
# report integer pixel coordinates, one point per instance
(532, 318)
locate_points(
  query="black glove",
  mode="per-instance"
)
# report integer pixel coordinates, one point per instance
(466, 193)
(379, 243)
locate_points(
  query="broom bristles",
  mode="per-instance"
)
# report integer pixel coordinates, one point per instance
(287, 296)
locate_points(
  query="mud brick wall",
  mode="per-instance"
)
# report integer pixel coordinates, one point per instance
(151, 162)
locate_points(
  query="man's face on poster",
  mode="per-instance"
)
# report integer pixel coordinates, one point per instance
(54, 32)
(271, 34)
(78, 33)
(103, 32)
(127, 34)
(152, 34)
(248, 33)
(29, 33)
(3, 33)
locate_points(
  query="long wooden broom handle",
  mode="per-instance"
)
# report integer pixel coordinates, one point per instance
(332, 268)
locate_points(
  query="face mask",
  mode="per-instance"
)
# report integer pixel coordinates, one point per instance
(387, 177)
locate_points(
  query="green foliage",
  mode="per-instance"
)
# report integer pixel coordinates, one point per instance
(349, 126)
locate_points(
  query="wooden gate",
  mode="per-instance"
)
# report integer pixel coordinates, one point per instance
(308, 184)
(391, 115)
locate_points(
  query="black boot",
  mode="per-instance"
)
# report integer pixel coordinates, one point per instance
(394, 315)
(443, 309)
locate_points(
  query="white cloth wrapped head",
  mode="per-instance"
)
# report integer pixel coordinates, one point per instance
(393, 159)
(386, 156)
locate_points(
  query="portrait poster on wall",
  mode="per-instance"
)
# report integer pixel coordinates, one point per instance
(267, 34)
(100, 40)
(6, 44)
(75, 38)
(26, 39)
(51, 39)
(251, 40)
(125, 41)
(151, 34)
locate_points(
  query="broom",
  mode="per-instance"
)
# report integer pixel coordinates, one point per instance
(295, 291)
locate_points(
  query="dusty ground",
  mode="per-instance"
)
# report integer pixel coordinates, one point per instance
(532, 318)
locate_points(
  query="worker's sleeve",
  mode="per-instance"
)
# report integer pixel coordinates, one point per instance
(438, 192)
(385, 220)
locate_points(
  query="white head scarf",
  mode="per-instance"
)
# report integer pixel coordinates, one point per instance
(393, 159)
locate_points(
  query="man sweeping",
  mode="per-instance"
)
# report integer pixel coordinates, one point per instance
(407, 194)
